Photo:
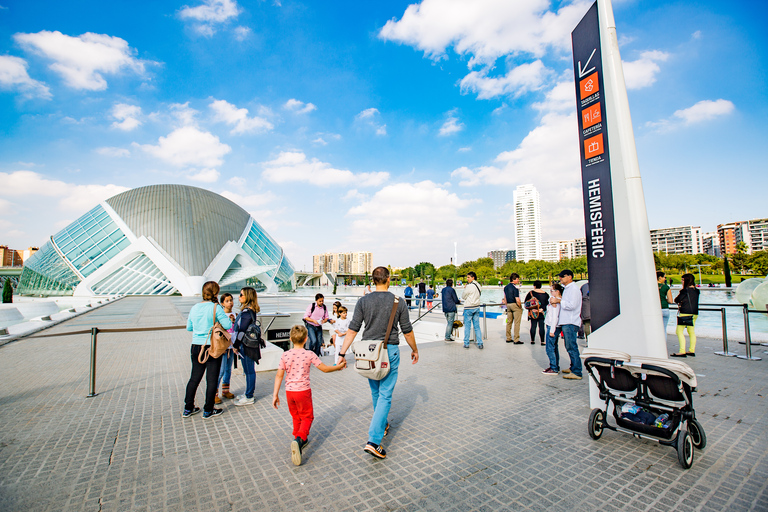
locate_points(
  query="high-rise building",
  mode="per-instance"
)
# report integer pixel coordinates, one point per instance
(550, 251)
(527, 222)
(710, 243)
(500, 257)
(727, 235)
(13, 257)
(580, 247)
(678, 240)
(343, 263)
(754, 233)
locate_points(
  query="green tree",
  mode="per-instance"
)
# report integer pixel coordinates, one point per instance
(446, 272)
(758, 262)
(7, 292)
(740, 258)
(727, 271)
(424, 269)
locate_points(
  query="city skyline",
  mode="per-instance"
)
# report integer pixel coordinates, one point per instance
(401, 118)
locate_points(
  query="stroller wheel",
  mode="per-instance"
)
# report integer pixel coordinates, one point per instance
(596, 419)
(698, 436)
(685, 449)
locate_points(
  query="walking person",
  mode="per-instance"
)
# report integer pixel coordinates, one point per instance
(249, 358)
(688, 311)
(200, 322)
(471, 298)
(450, 300)
(431, 294)
(569, 320)
(374, 311)
(422, 287)
(514, 308)
(408, 294)
(225, 374)
(665, 296)
(314, 318)
(536, 302)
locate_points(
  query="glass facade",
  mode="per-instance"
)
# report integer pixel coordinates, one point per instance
(91, 241)
(46, 273)
(263, 249)
(137, 277)
(285, 276)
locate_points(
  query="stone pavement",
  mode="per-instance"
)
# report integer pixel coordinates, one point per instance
(471, 430)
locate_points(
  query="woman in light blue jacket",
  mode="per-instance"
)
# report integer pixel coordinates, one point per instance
(200, 322)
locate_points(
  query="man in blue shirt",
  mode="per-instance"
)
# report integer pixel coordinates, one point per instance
(514, 308)
(408, 294)
(450, 299)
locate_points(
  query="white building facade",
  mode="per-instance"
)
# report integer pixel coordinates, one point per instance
(678, 240)
(527, 207)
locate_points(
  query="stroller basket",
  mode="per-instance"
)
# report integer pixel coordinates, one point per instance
(653, 386)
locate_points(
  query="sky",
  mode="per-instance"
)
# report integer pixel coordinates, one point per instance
(391, 127)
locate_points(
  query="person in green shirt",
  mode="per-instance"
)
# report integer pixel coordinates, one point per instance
(666, 297)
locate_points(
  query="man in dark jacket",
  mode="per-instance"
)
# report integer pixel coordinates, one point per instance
(450, 299)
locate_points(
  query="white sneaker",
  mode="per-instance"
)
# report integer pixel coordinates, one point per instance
(244, 401)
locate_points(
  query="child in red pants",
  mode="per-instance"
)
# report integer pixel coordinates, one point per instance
(296, 362)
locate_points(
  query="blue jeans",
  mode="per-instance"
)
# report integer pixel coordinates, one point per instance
(226, 367)
(249, 369)
(381, 393)
(450, 316)
(553, 352)
(315, 343)
(472, 315)
(423, 297)
(569, 331)
(665, 319)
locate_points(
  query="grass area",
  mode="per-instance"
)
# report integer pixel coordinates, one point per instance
(713, 278)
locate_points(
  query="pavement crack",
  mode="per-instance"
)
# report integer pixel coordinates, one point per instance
(111, 454)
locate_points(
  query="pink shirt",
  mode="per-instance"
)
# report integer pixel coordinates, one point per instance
(318, 315)
(296, 363)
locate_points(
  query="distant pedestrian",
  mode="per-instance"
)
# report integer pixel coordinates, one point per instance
(225, 374)
(450, 299)
(688, 311)
(314, 318)
(514, 308)
(553, 331)
(665, 296)
(374, 310)
(536, 302)
(200, 322)
(430, 296)
(586, 312)
(471, 298)
(408, 293)
(422, 287)
(569, 319)
(367, 289)
(298, 394)
(249, 357)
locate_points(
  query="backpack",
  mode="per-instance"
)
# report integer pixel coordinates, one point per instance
(252, 341)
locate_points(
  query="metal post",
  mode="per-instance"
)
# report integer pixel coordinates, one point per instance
(748, 337)
(94, 333)
(485, 324)
(725, 338)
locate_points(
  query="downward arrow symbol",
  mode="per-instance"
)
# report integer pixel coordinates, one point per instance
(582, 71)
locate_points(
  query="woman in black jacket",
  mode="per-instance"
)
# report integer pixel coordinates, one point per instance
(688, 311)
(250, 357)
(536, 312)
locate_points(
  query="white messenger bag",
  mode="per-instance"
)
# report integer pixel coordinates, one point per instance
(371, 356)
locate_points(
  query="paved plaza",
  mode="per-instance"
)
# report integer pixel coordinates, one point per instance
(471, 430)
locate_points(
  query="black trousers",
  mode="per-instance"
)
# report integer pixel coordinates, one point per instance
(540, 323)
(211, 370)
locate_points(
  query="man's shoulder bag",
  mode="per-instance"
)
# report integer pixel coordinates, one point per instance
(218, 341)
(372, 356)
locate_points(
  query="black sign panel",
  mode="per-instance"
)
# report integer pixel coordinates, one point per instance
(278, 334)
(595, 171)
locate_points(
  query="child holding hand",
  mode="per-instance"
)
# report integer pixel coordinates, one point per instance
(296, 362)
(340, 330)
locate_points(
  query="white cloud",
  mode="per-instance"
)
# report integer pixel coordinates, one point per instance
(292, 166)
(30, 185)
(6, 208)
(642, 72)
(464, 149)
(184, 114)
(702, 111)
(450, 126)
(126, 115)
(83, 60)
(205, 176)
(561, 98)
(370, 117)
(389, 216)
(113, 152)
(13, 76)
(210, 13)
(188, 146)
(486, 29)
(242, 33)
(320, 141)
(696, 35)
(237, 182)
(251, 200)
(238, 117)
(299, 107)
(518, 80)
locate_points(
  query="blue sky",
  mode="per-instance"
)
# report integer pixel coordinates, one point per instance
(384, 126)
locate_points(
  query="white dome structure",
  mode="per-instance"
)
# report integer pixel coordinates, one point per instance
(158, 240)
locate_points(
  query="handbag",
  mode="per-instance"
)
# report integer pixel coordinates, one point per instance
(218, 341)
(372, 356)
(685, 320)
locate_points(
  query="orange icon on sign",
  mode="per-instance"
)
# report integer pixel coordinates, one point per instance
(589, 85)
(591, 115)
(593, 146)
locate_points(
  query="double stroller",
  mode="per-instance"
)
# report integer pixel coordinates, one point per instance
(649, 398)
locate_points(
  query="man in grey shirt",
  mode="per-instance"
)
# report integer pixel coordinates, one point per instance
(374, 311)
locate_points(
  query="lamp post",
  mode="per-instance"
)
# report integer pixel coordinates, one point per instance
(699, 266)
